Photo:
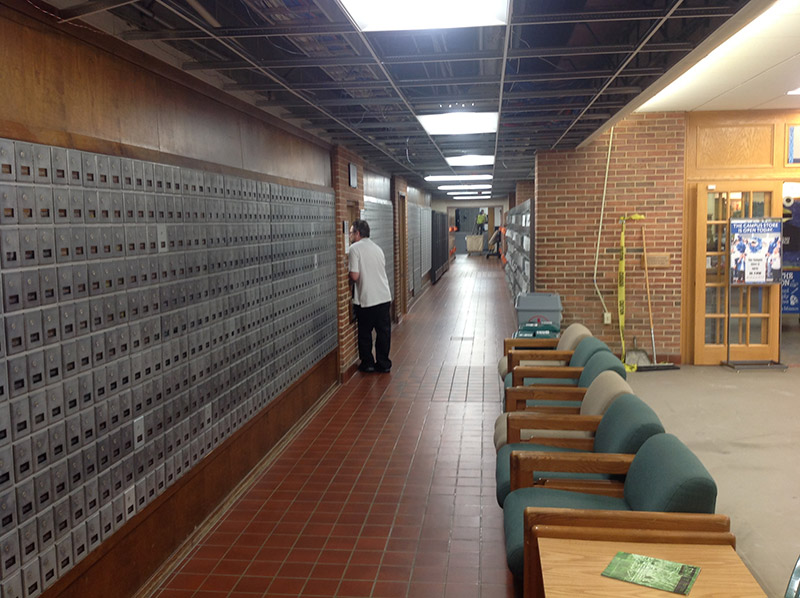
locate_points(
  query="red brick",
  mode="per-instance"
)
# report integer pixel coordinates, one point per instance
(646, 176)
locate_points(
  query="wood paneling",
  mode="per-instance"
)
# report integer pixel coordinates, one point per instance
(124, 562)
(270, 150)
(744, 146)
(727, 148)
(57, 88)
(738, 145)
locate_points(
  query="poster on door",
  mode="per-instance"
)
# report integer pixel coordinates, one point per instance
(756, 251)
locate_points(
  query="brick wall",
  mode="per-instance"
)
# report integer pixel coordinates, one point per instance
(346, 197)
(646, 176)
(525, 191)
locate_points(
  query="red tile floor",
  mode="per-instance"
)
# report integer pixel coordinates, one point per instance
(388, 490)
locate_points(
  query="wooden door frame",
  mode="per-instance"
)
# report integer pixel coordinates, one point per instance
(702, 354)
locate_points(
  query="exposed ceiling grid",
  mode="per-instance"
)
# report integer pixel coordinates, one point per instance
(557, 72)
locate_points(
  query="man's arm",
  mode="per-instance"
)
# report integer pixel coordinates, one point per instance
(352, 261)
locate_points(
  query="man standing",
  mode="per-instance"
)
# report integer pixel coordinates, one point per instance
(480, 223)
(372, 299)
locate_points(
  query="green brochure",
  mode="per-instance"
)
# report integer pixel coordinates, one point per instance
(652, 572)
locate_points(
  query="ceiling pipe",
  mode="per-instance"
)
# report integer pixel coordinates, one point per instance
(207, 16)
(621, 67)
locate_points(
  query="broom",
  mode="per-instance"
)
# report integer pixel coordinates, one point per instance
(654, 366)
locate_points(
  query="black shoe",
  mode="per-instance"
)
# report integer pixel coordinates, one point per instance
(382, 370)
(368, 369)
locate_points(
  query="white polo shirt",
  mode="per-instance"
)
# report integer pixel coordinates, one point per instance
(372, 287)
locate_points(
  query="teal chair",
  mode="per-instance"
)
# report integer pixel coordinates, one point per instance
(603, 391)
(584, 351)
(551, 395)
(663, 476)
(627, 424)
(568, 341)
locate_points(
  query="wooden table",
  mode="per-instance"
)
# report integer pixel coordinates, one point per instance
(572, 568)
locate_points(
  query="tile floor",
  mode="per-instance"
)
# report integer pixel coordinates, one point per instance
(388, 491)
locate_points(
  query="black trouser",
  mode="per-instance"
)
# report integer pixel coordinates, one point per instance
(378, 318)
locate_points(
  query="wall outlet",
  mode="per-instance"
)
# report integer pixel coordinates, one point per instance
(607, 317)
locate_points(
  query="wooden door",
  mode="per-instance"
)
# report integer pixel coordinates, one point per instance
(754, 323)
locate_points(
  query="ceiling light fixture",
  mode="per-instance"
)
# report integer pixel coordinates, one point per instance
(459, 123)
(463, 187)
(463, 192)
(471, 160)
(433, 178)
(794, 92)
(411, 15)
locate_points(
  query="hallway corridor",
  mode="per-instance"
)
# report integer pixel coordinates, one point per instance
(388, 489)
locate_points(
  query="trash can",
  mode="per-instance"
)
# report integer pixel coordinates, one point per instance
(538, 308)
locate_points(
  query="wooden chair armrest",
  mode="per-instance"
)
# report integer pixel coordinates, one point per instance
(610, 534)
(528, 343)
(515, 356)
(530, 420)
(708, 522)
(516, 396)
(581, 444)
(554, 409)
(525, 463)
(553, 421)
(612, 488)
(519, 373)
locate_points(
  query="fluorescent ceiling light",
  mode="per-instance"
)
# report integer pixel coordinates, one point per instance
(708, 67)
(458, 177)
(794, 92)
(375, 15)
(459, 123)
(465, 197)
(470, 160)
(462, 192)
(462, 187)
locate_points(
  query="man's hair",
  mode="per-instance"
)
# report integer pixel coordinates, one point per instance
(361, 227)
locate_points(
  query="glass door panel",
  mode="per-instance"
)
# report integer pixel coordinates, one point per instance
(715, 300)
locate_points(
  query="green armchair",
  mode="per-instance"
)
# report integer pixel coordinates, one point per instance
(664, 476)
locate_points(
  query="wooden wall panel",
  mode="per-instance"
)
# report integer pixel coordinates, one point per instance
(60, 90)
(743, 146)
(377, 185)
(269, 150)
(738, 145)
(217, 140)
